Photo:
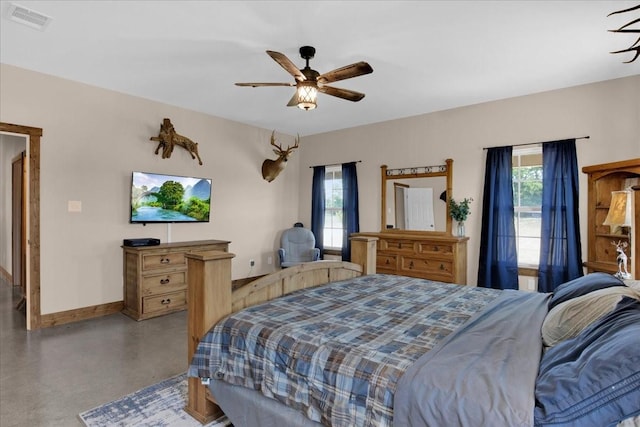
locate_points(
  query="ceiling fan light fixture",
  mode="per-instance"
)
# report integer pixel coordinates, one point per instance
(307, 95)
(308, 79)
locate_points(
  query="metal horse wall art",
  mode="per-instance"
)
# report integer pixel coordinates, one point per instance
(169, 138)
(271, 168)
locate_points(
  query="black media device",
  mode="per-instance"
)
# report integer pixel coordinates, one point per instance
(149, 241)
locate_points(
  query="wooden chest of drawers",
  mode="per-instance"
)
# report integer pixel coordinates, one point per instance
(155, 277)
(441, 258)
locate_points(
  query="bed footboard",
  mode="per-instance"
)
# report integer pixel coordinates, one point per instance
(210, 298)
(208, 301)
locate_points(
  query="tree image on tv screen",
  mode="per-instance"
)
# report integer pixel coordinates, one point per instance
(170, 195)
(197, 208)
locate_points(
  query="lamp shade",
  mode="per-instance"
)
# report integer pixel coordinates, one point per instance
(307, 94)
(620, 209)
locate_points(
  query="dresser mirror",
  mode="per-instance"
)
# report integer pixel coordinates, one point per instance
(416, 199)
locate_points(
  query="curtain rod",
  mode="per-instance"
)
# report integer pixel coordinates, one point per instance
(335, 164)
(535, 143)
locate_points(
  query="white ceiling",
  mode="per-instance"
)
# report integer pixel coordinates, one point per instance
(426, 55)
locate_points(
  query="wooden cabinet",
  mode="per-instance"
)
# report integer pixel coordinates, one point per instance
(155, 277)
(602, 180)
(439, 257)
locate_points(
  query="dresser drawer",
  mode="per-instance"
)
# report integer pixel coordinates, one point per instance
(397, 246)
(162, 283)
(167, 302)
(386, 262)
(436, 267)
(435, 248)
(163, 260)
(205, 248)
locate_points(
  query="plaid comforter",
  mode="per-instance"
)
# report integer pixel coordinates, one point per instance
(336, 352)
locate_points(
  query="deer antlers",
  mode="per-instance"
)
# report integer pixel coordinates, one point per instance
(620, 244)
(279, 151)
(636, 45)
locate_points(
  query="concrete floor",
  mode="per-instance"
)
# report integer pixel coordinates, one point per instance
(49, 376)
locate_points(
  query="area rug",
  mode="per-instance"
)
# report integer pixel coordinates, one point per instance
(158, 405)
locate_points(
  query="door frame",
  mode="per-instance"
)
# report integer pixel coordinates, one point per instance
(33, 135)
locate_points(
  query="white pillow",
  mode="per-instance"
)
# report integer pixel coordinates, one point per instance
(568, 319)
(630, 422)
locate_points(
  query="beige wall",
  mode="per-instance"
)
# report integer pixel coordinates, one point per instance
(609, 112)
(93, 139)
(10, 147)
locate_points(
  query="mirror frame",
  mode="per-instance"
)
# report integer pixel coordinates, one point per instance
(445, 170)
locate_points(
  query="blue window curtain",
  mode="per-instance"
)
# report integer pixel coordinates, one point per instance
(317, 207)
(498, 264)
(350, 212)
(560, 247)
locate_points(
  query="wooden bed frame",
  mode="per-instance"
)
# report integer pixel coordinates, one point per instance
(211, 297)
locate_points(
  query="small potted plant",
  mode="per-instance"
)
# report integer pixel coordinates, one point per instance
(459, 212)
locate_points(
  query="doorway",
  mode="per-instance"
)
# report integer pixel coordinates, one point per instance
(31, 217)
(18, 223)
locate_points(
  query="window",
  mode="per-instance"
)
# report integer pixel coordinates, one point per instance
(333, 208)
(527, 202)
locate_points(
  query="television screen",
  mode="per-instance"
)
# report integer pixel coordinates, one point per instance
(169, 198)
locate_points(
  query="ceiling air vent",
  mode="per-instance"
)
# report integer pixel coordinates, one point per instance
(28, 17)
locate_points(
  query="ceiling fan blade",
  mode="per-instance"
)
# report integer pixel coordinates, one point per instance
(287, 65)
(293, 101)
(349, 95)
(346, 72)
(265, 84)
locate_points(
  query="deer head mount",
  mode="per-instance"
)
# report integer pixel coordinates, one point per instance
(271, 168)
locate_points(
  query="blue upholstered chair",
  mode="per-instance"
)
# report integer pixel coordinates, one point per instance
(297, 246)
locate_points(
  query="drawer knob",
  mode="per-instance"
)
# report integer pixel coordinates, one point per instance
(165, 261)
(435, 248)
(166, 301)
(388, 262)
(441, 266)
(411, 264)
(164, 281)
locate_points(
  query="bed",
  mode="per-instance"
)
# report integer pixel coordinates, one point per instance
(322, 344)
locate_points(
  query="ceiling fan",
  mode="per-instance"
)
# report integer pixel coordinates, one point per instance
(309, 82)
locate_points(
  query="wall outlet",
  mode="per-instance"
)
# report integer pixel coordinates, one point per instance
(269, 260)
(252, 262)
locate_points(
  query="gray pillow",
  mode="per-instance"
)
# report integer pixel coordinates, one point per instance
(568, 319)
(582, 286)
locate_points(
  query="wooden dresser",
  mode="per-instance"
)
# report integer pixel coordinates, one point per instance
(439, 257)
(155, 277)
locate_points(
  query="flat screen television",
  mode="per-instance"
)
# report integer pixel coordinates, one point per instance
(158, 198)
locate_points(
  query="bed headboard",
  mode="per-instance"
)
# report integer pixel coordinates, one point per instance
(301, 276)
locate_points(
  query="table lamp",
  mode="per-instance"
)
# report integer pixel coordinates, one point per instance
(619, 217)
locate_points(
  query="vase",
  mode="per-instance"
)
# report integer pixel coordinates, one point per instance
(460, 231)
